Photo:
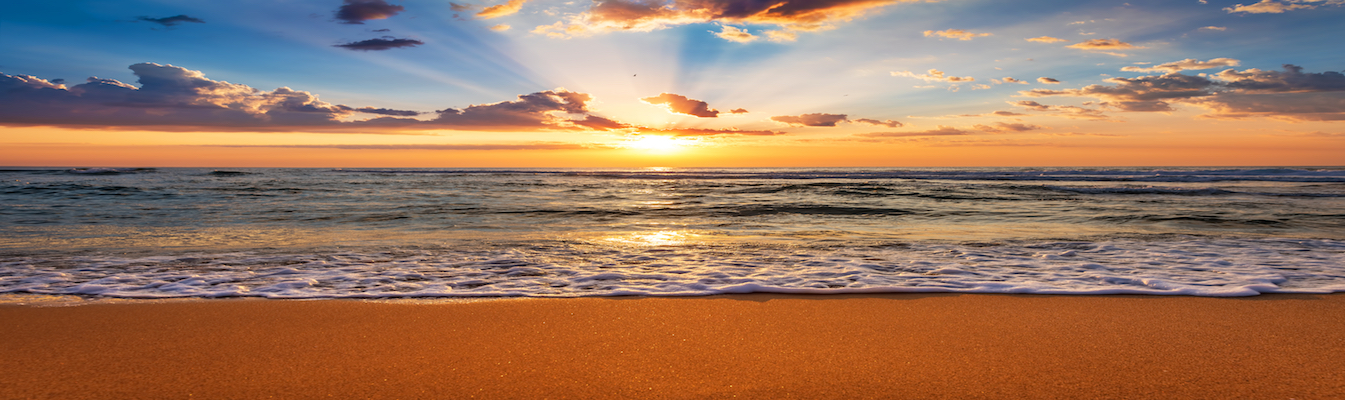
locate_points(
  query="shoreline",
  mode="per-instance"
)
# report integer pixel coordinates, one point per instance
(749, 346)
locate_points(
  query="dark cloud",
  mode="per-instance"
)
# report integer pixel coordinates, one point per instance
(816, 119)
(171, 21)
(358, 11)
(1291, 79)
(942, 131)
(1288, 94)
(461, 7)
(385, 43)
(385, 111)
(172, 98)
(381, 30)
(1146, 93)
(738, 111)
(1048, 81)
(683, 105)
(1006, 114)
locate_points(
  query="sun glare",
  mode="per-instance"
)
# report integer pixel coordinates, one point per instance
(661, 144)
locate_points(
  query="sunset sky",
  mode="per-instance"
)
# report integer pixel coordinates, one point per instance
(694, 83)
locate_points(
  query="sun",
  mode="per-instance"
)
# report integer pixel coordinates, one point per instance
(655, 143)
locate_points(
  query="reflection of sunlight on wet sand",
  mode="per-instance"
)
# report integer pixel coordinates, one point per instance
(660, 238)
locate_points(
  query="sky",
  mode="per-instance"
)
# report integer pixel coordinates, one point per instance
(672, 83)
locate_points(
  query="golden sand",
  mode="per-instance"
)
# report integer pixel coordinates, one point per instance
(745, 346)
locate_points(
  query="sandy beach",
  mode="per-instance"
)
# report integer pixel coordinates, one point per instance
(744, 346)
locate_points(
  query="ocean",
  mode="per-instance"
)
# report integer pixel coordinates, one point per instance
(434, 233)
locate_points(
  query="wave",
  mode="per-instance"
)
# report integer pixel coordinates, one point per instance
(1099, 175)
(1202, 267)
(110, 171)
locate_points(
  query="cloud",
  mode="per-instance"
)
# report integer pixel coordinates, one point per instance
(956, 34)
(1008, 80)
(1002, 127)
(1213, 28)
(456, 7)
(171, 21)
(1045, 39)
(500, 28)
(1073, 112)
(384, 111)
(680, 104)
(733, 34)
(385, 43)
(1146, 93)
(1291, 79)
(790, 16)
(815, 119)
(781, 36)
(1187, 64)
(941, 131)
(822, 119)
(446, 147)
(933, 75)
(358, 11)
(1289, 94)
(1279, 6)
(888, 123)
(1048, 81)
(496, 11)
(1104, 46)
(599, 123)
(173, 98)
(738, 111)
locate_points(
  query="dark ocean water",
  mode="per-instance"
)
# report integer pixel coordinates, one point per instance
(561, 232)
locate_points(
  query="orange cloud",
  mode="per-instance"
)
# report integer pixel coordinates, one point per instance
(956, 34)
(1187, 64)
(1045, 39)
(1104, 46)
(933, 75)
(733, 34)
(1280, 6)
(501, 10)
(680, 104)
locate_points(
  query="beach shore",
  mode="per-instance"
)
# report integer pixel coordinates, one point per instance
(744, 346)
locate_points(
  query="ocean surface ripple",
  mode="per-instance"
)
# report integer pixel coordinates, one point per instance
(322, 233)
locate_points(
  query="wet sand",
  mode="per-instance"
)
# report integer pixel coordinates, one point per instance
(748, 346)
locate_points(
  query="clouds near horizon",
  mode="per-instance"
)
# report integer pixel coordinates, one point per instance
(1287, 94)
(174, 98)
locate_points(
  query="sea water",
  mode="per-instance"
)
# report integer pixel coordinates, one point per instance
(378, 233)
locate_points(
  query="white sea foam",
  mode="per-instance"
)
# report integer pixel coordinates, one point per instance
(1205, 267)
